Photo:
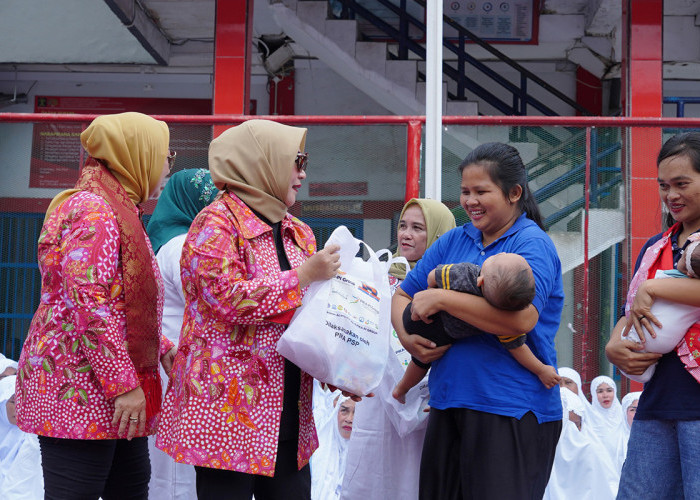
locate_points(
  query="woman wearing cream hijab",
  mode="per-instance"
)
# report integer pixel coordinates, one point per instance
(236, 410)
(87, 380)
(384, 453)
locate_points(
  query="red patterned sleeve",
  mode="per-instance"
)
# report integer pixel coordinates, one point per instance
(221, 268)
(165, 345)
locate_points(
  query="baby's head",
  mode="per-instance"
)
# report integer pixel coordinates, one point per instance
(689, 263)
(507, 282)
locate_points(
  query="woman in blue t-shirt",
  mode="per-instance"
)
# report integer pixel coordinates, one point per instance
(664, 444)
(493, 426)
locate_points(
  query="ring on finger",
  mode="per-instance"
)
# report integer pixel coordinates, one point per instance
(133, 419)
(640, 318)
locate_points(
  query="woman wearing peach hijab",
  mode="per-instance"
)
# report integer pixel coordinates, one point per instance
(88, 381)
(236, 410)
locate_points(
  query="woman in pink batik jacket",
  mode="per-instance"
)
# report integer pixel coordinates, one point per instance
(88, 379)
(237, 410)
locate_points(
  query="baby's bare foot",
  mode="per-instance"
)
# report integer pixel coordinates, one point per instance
(399, 395)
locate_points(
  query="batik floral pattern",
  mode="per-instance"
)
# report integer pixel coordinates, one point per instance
(75, 360)
(224, 401)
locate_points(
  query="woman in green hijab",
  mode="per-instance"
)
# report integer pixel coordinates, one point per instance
(184, 196)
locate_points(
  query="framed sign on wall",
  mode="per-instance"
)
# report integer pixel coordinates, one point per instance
(56, 150)
(500, 21)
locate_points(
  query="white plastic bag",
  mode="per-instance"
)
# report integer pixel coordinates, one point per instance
(340, 334)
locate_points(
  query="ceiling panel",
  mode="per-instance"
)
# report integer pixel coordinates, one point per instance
(66, 32)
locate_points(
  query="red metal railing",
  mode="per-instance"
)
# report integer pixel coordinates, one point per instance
(414, 126)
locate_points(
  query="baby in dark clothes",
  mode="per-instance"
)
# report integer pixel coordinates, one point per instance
(505, 280)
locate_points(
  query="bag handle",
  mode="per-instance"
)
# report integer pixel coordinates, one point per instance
(400, 260)
(350, 246)
(385, 263)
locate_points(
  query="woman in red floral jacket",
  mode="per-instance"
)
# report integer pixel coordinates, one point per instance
(236, 409)
(88, 379)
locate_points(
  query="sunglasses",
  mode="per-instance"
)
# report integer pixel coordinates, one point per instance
(171, 158)
(302, 161)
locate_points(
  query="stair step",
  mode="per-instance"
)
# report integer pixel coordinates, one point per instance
(420, 93)
(290, 4)
(461, 108)
(493, 134)
(371, 56)
(343, 33)
(606, 228)
(403, 73)
(313, 13)
(528, 150)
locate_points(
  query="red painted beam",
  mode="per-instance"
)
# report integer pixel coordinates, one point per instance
(554, 121)
(644, 87)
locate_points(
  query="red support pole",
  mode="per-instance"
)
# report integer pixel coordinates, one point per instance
(586, 343)
(644, 98)
(233, 39)
(413, 160)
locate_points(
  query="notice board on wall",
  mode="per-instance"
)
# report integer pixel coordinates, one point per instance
(503, 21)
(56, 150)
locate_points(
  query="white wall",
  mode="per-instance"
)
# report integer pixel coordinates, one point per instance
(16, 139)
(320, 91)
(375, 155)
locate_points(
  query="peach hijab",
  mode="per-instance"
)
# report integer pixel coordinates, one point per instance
(254, 161)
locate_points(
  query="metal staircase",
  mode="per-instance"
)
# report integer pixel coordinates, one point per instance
(392, 49)
(377, 50)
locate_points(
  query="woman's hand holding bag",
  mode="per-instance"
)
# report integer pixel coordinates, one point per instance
(320, 266)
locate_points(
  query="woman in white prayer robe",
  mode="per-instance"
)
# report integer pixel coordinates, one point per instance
(328, 461)
(582, 469)
(184, 196)
(572, 381)
(629, 408)
(607, 420)
(21, 475)
(7, 366)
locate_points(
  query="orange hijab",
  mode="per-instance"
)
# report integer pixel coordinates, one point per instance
(127, 154)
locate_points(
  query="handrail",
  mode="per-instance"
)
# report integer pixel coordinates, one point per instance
(456, 75)
(600, 192)
(680, 102)
(513, 64)
(577, 205)
(545, 161)
(562, 183)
